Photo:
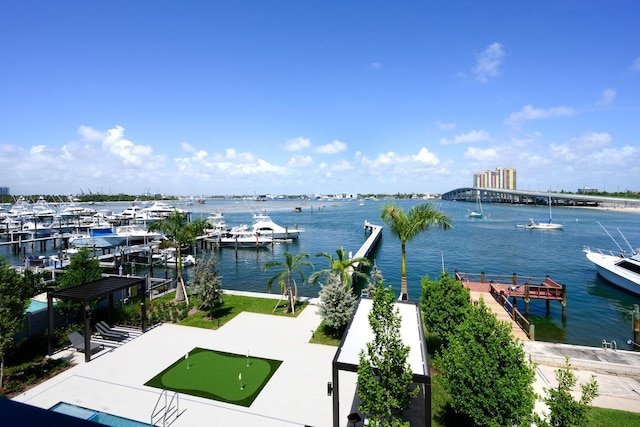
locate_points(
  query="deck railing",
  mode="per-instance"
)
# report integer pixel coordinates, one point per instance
(517, 317)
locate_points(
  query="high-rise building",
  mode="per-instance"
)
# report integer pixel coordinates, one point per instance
(502, 178)
(4, 191)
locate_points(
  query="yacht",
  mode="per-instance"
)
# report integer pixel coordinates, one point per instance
(98, 237)
(162, 209)
(136, 234)
(620, 269)
(264, 226)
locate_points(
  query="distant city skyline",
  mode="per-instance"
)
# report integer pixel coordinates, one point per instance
(215, 98)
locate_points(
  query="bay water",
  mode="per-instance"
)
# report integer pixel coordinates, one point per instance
(596, 310)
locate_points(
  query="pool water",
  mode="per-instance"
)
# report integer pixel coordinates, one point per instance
(95, 416)
(36, 305)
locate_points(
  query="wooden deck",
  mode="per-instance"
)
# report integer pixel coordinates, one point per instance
(516, 331)
(497, 291)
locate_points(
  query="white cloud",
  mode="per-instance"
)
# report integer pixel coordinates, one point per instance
(297, 144)
(469, 137)
(187, 147)
(475, 154)
(635, 67)
(88, 134)
(426, 157)
(375, 65)
(445, 126)
(608, 96)
(300, 162)
(488, 62)
(129, 152)
(37, 149)
(529, 113)
(390, 159)
(332, 148)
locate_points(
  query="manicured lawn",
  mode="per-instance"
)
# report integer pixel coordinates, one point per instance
(603, 417)
(226, 377)
(322, 335)
(234, 305)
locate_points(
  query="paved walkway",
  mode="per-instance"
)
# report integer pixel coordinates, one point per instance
(617, 372)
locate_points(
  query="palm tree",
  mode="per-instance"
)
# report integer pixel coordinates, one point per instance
(406, 226)
(341, 266)
(180, 232)
(288, 269)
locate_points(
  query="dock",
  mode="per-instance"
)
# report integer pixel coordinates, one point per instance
(500, 294)
(375, 232)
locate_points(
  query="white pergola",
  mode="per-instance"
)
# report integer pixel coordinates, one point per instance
(358, 334)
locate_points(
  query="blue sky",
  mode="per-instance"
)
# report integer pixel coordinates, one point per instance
(301, 97)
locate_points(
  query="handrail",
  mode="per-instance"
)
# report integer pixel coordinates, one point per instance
(517, 317)
(167, 410)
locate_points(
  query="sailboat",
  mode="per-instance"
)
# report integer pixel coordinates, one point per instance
(477, 213)
(545, 224)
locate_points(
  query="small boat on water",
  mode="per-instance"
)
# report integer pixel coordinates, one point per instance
(618, 269)
(169, 256)
(477, 213)
(546, 224)
(541, 225)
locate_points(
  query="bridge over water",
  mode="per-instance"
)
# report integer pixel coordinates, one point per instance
(495, 195)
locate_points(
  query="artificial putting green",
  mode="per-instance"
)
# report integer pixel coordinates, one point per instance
(227, 377)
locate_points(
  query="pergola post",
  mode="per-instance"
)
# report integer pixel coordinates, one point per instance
(87, 331)
(50, 316)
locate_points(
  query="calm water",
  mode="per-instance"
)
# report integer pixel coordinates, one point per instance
(595, 310)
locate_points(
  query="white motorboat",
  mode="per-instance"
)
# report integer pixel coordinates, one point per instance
(162, 209)
(264, 226)
(98, 237)
(217, 223)
(618, 268)
(136, 234)
(242, 237)
(168, 256)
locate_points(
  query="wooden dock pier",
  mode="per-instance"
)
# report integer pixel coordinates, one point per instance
(375, 231)
(500, 294)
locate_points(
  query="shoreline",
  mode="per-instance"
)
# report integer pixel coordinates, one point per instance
(631, 209)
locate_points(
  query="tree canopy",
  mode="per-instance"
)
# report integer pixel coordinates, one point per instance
(285, 278)
(177, 228)
(564, 410)
(82, 269)
(14, 300)
(407, 225)
(486, 373)
(341, 266)
(207, 284)
(336, 304)
(444, 304)
(384, 376)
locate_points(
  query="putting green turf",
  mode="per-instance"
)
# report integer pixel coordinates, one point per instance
(217, 375)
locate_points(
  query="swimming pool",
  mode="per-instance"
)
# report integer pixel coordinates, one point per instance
(95, 416)
(36, 305)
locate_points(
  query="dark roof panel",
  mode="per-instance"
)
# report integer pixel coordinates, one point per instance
(97, 289)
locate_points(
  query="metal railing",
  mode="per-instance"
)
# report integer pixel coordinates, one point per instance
(165, 412)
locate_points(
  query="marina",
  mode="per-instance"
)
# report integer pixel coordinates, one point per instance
(595, 309)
